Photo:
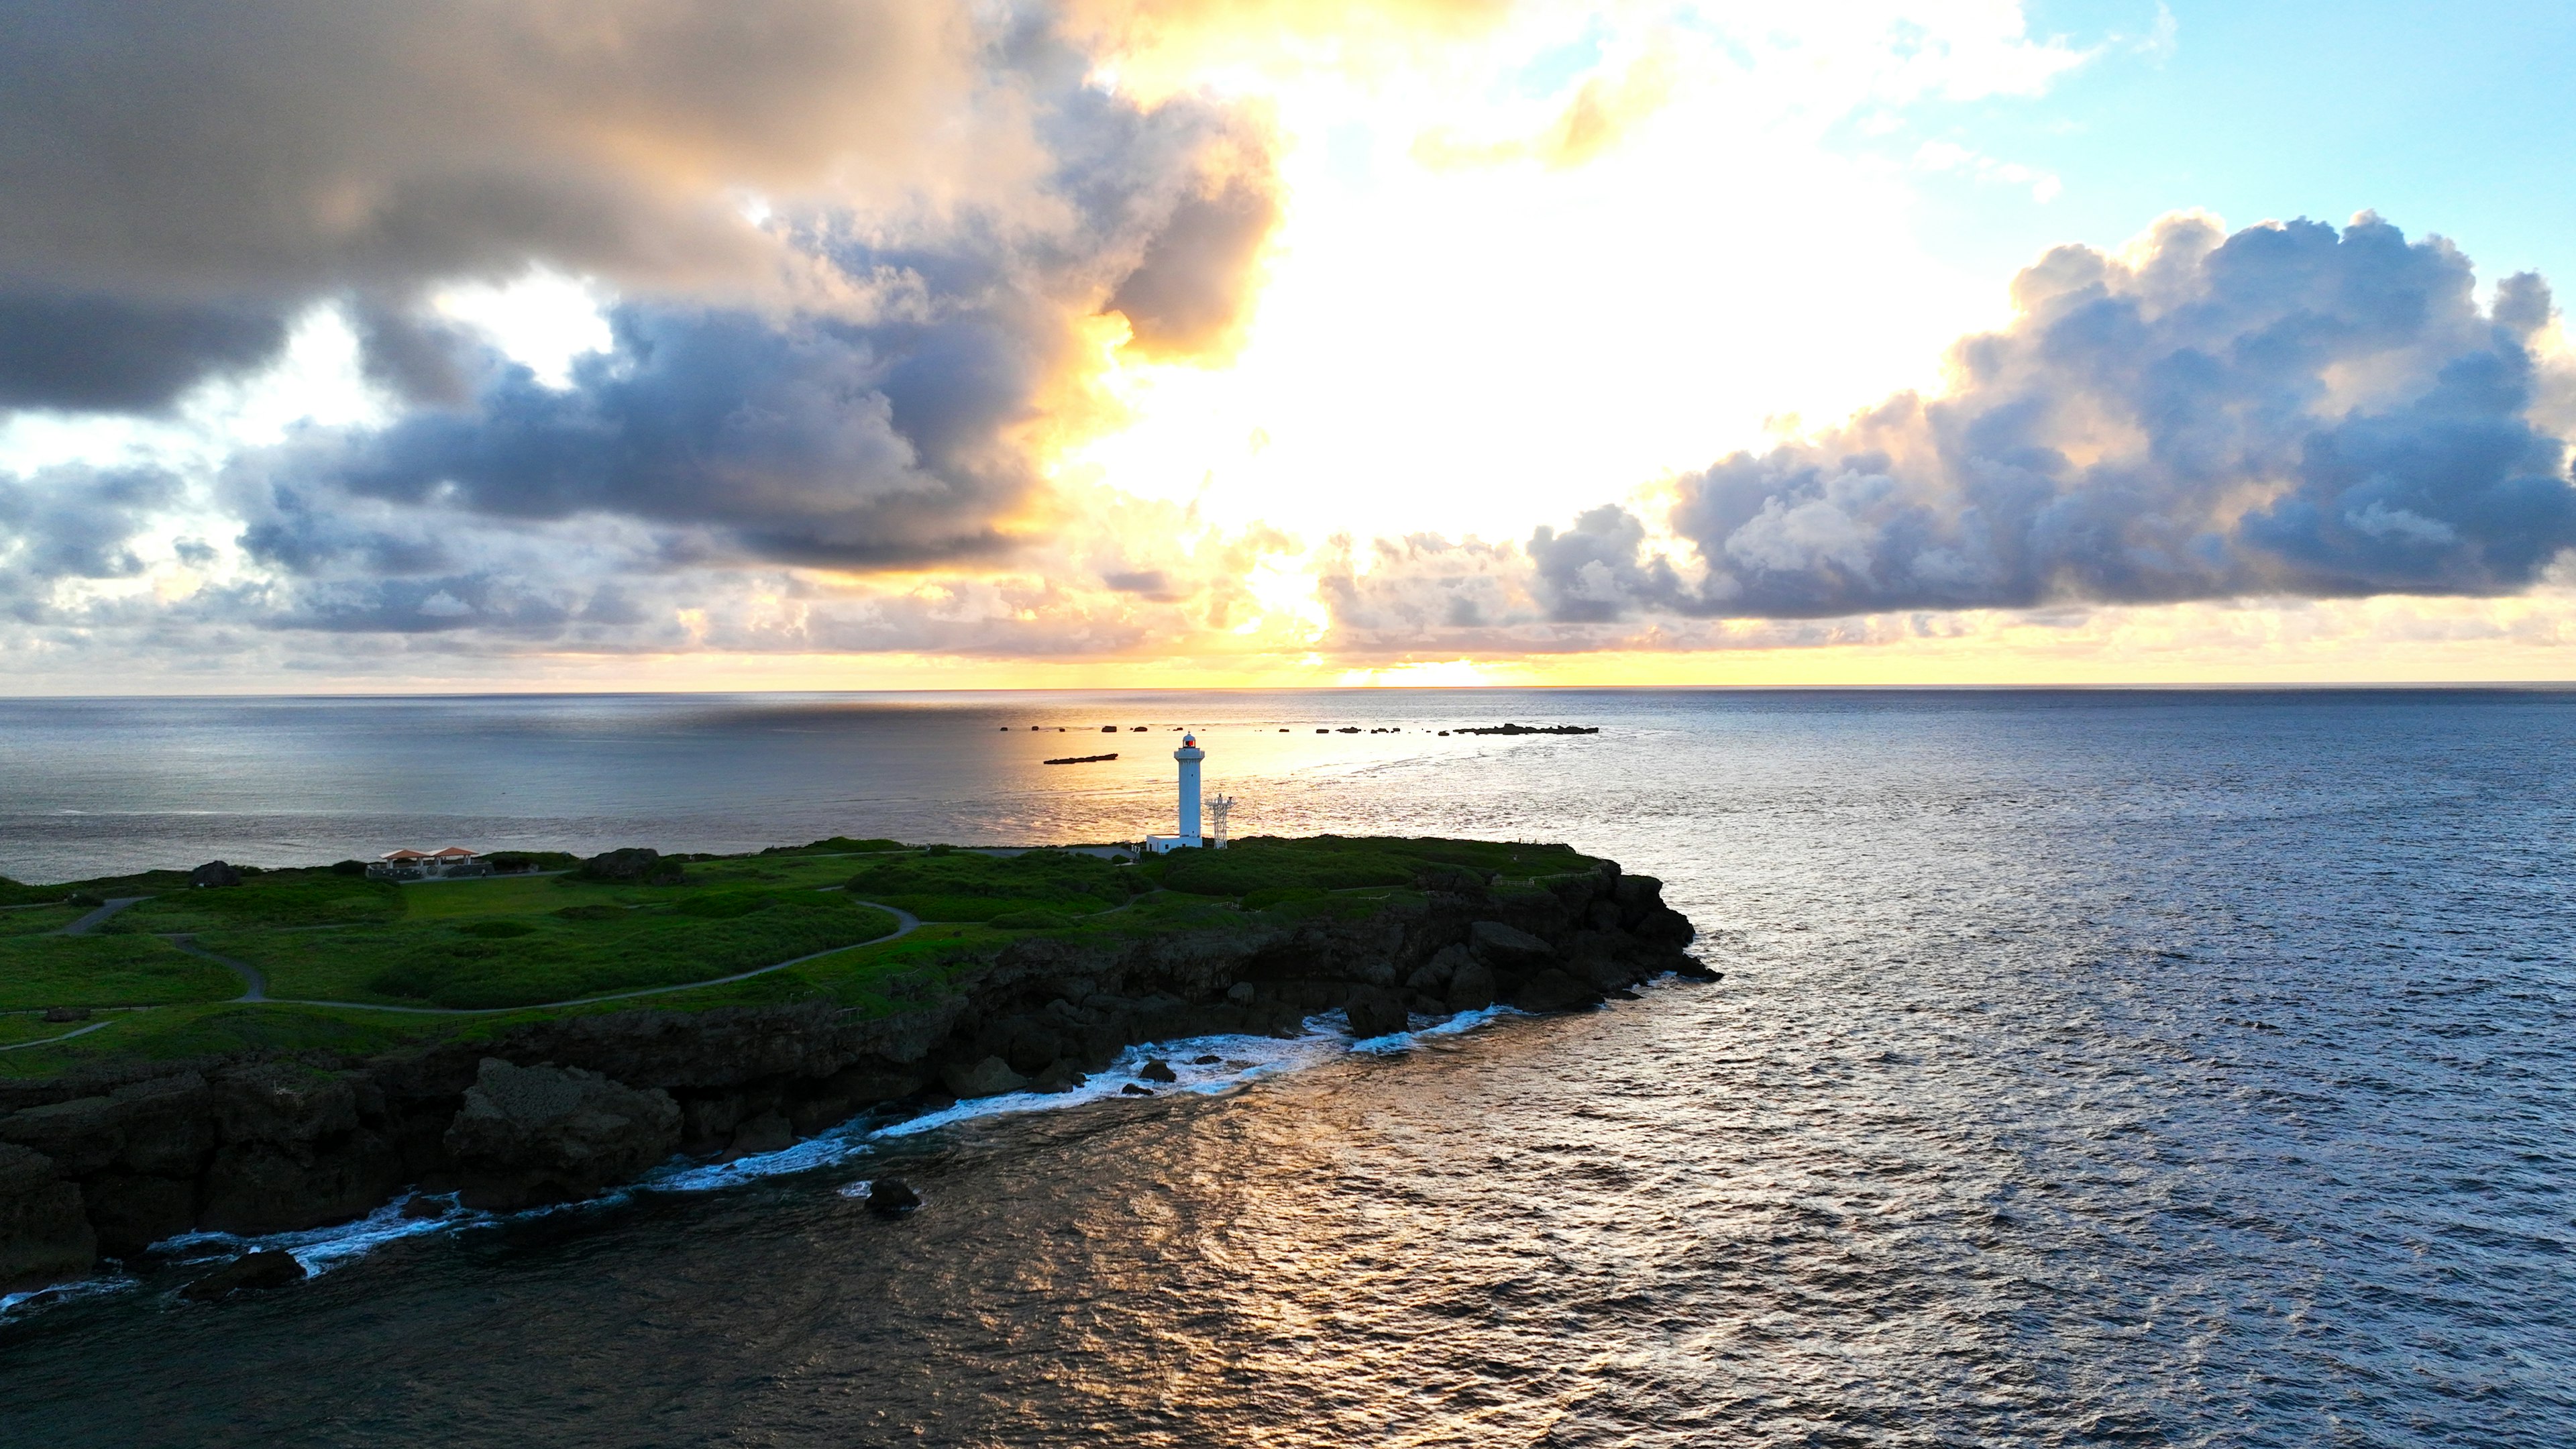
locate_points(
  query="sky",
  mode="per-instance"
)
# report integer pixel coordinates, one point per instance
(674, 344)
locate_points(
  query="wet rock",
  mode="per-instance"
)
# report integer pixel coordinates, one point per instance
(1553, 990)
(1665, 926)
(419, 1208)
(1060, 1076)
(1376, 1011)
(1211, 1059)
(131, 1211)
(1624, 994)
(1692, 969)
(892, 1197)
(1133, 1090)
(1508, 949)
(767, 1132)
(44, 1234)
(1472, 988)
(270, 1187)
(990, 1077)
(1157, 1070)
(530, 1135)
(214, 873)
(248, 1273)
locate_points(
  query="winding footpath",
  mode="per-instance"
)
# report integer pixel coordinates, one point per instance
(255, 985)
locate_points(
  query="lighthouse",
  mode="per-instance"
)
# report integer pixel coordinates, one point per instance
(1189, 754)
(1188, 837)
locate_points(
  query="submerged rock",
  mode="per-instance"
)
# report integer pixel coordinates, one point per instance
(531, 1135)
(265, 1268)
(892, 1197)
(1133, 1090)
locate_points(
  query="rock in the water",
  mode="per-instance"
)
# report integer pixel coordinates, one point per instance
(214, 873)
(1133, 1090)
(1211, 1059)
(990, 1077)
(1060, 1076)
(1376, 1011)
(530, 1135)
(1158, 1070)
(44, 1235)
(417, 1208)
(892, 1197)
(266, 1268)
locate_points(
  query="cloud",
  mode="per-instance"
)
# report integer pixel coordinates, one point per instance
(2288, 411)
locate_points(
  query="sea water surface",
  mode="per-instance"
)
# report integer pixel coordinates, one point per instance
(2090, 1068)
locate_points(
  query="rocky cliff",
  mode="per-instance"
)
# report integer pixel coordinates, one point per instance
(104, 1163)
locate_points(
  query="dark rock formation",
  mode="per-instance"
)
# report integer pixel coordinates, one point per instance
(530, 1135)
(1376, 1011)
(892, 1197)
(44, 1236)
(118, 1156)
(632, 865)
(247, 1273)
(215, 873)
(990, 1077)
(1157, 1070)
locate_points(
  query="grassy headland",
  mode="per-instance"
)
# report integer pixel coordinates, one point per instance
(357, 966)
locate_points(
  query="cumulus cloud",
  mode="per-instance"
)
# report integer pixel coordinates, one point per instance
(851, 382)
(2289, 411)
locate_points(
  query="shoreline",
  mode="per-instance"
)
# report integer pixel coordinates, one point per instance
(110, 1158)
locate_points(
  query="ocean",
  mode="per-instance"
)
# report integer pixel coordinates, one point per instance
(2090, 1068)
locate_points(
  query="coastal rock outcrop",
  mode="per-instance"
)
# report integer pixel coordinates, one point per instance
(44, 1235)
(120, 1156)
(531, 1135)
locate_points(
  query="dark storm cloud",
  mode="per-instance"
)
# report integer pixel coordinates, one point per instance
(2287, 411)
(105, 354)
(182, 176)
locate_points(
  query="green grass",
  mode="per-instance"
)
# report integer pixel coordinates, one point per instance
(280, 899)
(965, 886)
(39, 920)
(492, 959)
(41, 971)
(502, 942)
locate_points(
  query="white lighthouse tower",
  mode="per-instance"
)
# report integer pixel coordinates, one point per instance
(1189, 838)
